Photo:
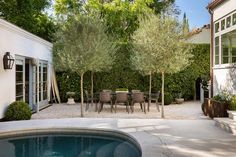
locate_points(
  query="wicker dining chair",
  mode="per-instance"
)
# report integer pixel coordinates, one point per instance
(122, 98)
(105, 97)
(154, 97)
(138, 97)
(89, 99)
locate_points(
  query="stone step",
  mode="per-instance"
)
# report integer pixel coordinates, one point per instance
(226, 124)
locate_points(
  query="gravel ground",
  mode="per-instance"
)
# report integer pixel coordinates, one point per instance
(190, 110)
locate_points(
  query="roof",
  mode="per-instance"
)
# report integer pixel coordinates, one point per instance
(215, 3)
(22, 32)
(198, 30)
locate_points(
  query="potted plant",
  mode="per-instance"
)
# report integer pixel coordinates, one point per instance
(179, 99)
(220, 105)
(70, 96)
(232, 108)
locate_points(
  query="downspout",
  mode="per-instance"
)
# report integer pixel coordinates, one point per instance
(211, 51)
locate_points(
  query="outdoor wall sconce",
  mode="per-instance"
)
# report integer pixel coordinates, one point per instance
(8, 61)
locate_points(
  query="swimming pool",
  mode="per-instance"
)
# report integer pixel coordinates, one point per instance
(70, 144)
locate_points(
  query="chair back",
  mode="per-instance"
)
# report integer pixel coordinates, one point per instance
(105, 97)
(155, 95)
(138, 97)
(107, 90)
(135, 91)
(121, 97)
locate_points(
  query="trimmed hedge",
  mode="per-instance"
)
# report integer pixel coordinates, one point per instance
(122, 76)
(18, 110)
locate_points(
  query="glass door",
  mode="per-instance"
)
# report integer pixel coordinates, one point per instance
(20, 79)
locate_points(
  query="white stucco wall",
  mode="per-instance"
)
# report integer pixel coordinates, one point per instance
(18, 42)
(204, 37)
(224, 79)
(224, 76)
(225, 8)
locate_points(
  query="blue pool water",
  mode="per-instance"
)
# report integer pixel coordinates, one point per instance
(67, 146)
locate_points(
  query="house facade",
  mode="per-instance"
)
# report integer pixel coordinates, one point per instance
(29, 77)
(223, 45)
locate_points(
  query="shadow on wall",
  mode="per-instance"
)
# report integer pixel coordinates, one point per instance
(232, 77)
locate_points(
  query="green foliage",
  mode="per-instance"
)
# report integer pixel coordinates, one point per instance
(223, 97)
(18, 110)
(158, 41)
(70, 94)
(232, 104)
(122, 76)
(168, 98)
(82, 45)
(29, 14)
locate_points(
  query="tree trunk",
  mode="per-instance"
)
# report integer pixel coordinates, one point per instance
(92, 73)
(82, 95)
(150, 90)
(162, 96)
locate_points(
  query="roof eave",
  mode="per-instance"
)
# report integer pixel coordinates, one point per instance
(214, 4)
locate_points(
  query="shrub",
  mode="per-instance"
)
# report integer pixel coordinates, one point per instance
(168, 98)
(232, 104)
(222, 97)
(18, 110)
(70, 94)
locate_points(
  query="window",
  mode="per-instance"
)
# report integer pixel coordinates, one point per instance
(216, 50)
(228, 48)
(225, 49)
(228, 22)
(217, 26)
(234, 19)
(223, 24)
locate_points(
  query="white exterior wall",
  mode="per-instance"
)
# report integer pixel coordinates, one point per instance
(204, 37)
(225, 8)
(22, 43)
(224, 76)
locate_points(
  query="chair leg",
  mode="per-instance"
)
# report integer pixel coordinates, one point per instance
(111, 107)
(101, 107)
(132, 107)
(141, 106)
(115, 106)
(144, 106)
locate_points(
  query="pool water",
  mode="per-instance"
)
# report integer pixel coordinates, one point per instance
(67, 146)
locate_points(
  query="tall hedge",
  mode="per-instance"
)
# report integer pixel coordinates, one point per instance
(122, 76)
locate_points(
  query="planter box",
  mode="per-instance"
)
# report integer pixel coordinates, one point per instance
(219, 109)
(71, 101)
(179, 100)
(206, 107)
(232, 115)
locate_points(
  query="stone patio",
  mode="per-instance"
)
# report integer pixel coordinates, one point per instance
(190, 110)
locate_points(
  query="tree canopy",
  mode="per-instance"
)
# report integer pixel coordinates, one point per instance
(82, 45)
(30, 15)
(159, 47)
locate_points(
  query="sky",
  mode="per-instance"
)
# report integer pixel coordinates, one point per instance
(195, 11)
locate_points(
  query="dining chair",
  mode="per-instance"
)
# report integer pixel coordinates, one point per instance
(122, 98)
(154, 97)
(105, 97)
(138, 97)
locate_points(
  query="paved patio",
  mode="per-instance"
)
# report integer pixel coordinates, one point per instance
(190, 110)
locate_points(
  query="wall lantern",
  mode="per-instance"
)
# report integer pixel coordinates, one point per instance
(8, 61)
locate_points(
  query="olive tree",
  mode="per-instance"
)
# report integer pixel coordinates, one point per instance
(81, 44)
(158, 44)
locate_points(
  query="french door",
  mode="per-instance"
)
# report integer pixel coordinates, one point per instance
(39, 83)
(31, 82)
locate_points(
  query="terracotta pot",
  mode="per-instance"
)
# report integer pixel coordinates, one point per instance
(219, 109)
